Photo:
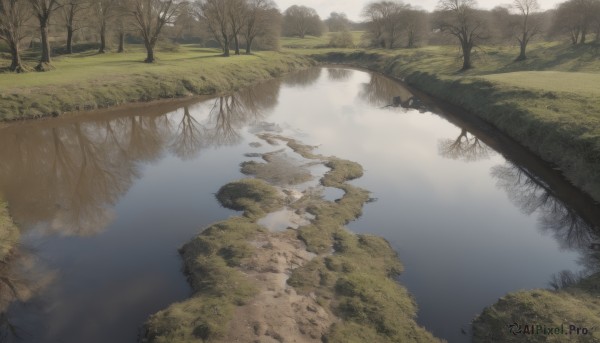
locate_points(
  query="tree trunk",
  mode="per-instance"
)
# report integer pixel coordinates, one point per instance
(411, 39)
(249, 46)
(102, 40)
(583, 36)
(466, 47)
(121, 42)
(523, 47)
(45, 42)
(149, 53)
(226, 48)
(16, 64)
(236, 42)
(69, 39)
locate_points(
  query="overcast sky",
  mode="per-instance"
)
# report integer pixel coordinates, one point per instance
(353, 7)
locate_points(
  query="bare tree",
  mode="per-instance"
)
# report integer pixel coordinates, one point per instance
(301, 21)
(71, 11)
(236, 11)
(529, 26)
(415, 26)
(13, 16)
(43, 10)
(214, 14)
(150, 16)
(261, 19)
(385, 22)
(460, 19)
(337, 22)
(104, 11)
(576, 18)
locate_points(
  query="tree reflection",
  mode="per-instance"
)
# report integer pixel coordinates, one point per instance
(465, 147)
(532, 195)
(189, 137)
(304, 78)
(381, 91)
(339, 74)
(20, 280)
(67, 174)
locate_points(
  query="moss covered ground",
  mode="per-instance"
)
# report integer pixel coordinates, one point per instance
(561, 312)
(9, 233)
(352, 276)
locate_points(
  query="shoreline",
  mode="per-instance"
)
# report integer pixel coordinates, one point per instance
(154, 84)
(502, 107)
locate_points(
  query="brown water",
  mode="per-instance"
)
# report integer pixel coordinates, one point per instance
(104, 200)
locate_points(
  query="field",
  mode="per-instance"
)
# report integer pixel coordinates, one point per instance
(88, 80)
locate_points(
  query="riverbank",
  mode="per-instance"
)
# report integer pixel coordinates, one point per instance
(553, 111)
(315, 283)
(543, 316)
(9, 233)
(88, 80)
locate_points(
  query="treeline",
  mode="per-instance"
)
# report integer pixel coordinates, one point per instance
(229, 24)
(394, 24)
(244, 24)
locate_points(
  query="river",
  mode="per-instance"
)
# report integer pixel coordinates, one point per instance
(105, 199)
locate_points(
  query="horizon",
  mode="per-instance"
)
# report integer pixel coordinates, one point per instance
(353, 8)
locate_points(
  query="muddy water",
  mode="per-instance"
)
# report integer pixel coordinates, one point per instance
(104, 200)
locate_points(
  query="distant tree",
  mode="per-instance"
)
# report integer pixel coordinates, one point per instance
(214, 14)
(301, 21)
(262, 19)
(416, 25)
(104, 11)
(72, 11)
(43, 10)
(337, 22)
(150, 16)
(460, 19)
(122, 22)
(576, 18)
(236, 11)
(529, 24)
(13, 16)
(385, 22)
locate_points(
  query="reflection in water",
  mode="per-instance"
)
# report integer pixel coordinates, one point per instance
(567, 226)
(381, 91)
(339, 74)
(303, 79)
(20, 280)
(531, 195)
(466, 147)
(68, 175)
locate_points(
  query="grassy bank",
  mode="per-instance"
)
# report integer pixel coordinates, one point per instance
(350, 277)
(549, 103)
(9, 233)
(89, 80)
(576, 306)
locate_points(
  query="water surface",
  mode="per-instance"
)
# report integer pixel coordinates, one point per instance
(104, 200)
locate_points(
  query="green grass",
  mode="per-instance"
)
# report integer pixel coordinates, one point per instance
(9, 233)
(210, 262)
(578, 83)
(313, 42)
(88, 80)
(356, 282)
(577, 305)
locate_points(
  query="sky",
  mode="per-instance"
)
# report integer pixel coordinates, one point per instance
(352, 8)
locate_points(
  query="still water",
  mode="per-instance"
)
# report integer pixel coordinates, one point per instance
(105, 199)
